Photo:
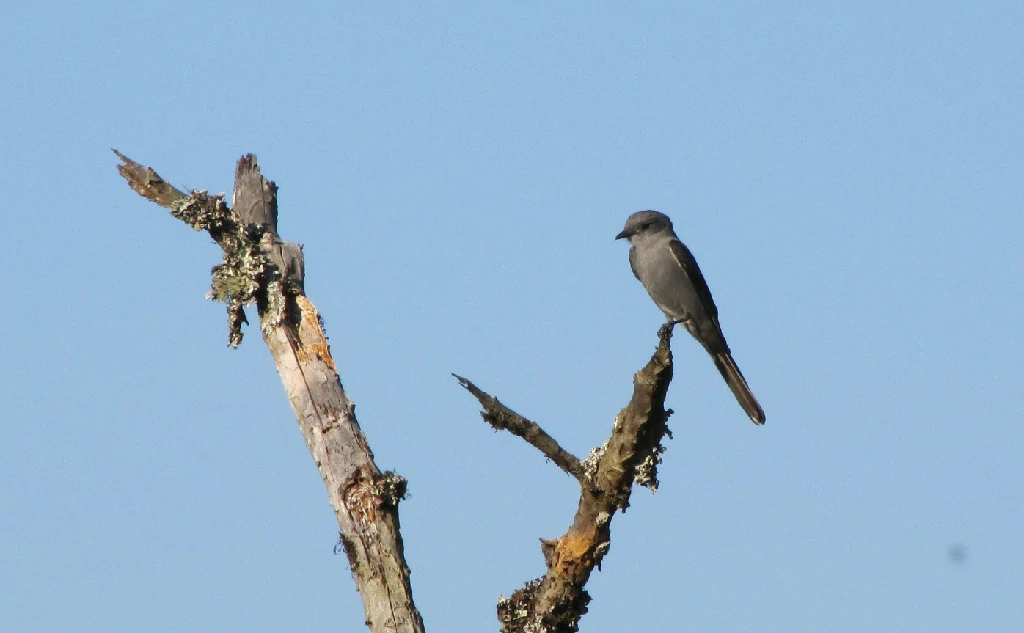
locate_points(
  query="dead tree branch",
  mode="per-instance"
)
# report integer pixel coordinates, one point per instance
(259, 267)
(555, 602)
(504, 419)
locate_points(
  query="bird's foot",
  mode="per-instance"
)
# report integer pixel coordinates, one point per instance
(666, 329)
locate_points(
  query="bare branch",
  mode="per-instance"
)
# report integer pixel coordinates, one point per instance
(504, 419)
(557, 601)
(147, 183)
(260, 267)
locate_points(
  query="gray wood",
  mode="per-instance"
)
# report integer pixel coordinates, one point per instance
(259, 267)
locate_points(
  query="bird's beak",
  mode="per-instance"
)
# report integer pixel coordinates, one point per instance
(624, 233)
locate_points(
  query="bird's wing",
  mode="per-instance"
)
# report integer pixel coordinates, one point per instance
(632, 263)
(692, 271)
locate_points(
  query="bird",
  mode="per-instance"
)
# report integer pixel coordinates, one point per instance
(669, 272)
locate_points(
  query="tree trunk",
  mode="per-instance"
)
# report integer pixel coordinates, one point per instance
(260, 268)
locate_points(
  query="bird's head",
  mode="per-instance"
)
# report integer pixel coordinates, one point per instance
(643, 223)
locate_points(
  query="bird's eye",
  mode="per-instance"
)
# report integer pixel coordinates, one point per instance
(645, 226)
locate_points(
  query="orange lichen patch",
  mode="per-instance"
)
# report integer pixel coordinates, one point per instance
(312, 334)
(574, 547)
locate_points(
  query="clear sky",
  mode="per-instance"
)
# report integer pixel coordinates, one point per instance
(848, 175)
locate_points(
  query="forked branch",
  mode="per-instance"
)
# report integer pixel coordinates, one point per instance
(555, 602)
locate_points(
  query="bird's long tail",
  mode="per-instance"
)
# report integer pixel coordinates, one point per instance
(738, 385)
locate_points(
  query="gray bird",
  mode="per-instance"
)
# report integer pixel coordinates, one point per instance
(671, 276)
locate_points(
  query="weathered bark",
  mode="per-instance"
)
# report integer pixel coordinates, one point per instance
(261, 268)
(556, 602)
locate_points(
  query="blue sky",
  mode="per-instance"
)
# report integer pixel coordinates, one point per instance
(848, 175)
